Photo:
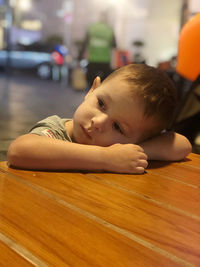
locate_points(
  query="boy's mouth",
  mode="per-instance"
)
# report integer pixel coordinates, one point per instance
(88, 135)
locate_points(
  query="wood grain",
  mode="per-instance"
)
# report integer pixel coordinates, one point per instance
(162, 189)
(187, 171)
(11, 258)
(103, 219)
(60, 236)
(148, 220)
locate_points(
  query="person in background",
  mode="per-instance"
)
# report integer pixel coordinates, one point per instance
(117, 128)
(99, 44)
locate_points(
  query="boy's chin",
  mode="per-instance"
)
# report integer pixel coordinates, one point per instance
(80, 140)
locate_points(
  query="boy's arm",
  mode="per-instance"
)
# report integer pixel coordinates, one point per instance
(167, 146)
(32, 151)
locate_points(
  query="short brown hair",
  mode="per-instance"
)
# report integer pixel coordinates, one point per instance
(154, 87)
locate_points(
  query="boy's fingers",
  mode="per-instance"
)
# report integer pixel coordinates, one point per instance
(143, 163)
(140, 149)
(139, 169)
(143, 156)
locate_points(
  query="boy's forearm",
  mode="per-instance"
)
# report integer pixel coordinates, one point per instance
(167, 146)
(38, 152)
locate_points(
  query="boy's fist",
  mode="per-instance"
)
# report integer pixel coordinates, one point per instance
(125, 158)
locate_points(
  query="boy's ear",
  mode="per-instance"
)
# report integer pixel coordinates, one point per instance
(96, 83)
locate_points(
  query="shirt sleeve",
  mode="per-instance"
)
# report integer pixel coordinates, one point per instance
(52, 127)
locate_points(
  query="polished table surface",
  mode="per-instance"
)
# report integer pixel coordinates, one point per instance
(101, 219)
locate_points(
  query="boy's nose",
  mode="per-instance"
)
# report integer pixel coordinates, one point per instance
(100, 122)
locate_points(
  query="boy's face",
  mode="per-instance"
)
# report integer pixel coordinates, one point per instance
(109, 115)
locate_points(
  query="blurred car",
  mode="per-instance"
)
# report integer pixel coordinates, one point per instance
(42, 58)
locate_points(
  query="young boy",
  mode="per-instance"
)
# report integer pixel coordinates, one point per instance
(117, 128)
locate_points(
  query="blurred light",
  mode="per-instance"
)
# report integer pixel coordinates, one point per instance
(34, 25)
(25, 5)
(68, 5)
(66, 12)
(25, 41)
(83, 63)
(12, 3)
(60, 13)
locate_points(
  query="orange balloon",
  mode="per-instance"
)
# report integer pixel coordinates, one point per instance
(188, 61)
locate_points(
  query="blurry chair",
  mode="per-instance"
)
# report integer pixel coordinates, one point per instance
(187, 80)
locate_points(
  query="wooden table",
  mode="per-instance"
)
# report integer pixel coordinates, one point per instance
(101, 219)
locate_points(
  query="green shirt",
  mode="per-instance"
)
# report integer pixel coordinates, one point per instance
(101, 41)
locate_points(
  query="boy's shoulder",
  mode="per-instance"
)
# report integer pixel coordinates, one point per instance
(54, 119)
(52, 126)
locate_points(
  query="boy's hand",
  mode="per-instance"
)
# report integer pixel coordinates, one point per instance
(127, 158)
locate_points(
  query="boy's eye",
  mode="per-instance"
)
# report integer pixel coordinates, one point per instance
(100, 103)
(117, 127)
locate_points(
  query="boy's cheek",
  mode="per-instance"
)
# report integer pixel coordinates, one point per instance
(78, 114)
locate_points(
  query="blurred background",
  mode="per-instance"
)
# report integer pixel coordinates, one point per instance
(40, 63)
